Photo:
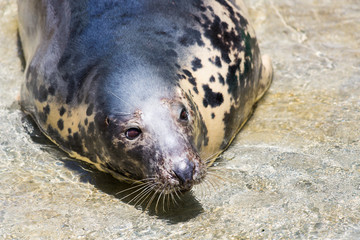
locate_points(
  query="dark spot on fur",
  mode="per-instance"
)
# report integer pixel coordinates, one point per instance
(212, 115)
(197, 19)
(201, 126)
(243, 21)
(187, 73)
(46, 109)
(223, 37)
(181, 76)
(163, 33)
(87, 99)
(64, 60)
(206, 19)
(86, 121)
(69, 130)
(62, 111)
(218, 62)
(91, 128)
(51, 91)
(190, 37)
(70, 90)
(44, 114)
(192, 81)
(89, 110)
(75, 143)
(212, 98)
(199, 5)
(60, 124)
(231, 119)
(54, 133)
(196, 90)
(225, 4)
(75, 78)
(221, 79)
(232, 80)
(212, 79)
(171, 53)
(43, 94)
(196, 64)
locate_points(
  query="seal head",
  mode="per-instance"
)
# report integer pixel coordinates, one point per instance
(154, 142)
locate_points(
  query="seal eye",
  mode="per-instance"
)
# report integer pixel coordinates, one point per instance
(132, 133)
(184, 115)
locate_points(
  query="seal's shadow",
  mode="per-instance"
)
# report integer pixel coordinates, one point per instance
(185, 208)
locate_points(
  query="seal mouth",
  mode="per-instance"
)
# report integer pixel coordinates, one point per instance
(171, 186)
(166, 186)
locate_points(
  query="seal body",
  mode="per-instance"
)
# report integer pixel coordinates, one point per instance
(149, 91)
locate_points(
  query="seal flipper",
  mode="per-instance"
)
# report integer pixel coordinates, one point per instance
(266, 76)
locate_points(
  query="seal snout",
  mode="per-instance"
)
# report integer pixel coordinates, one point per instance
(184, 171)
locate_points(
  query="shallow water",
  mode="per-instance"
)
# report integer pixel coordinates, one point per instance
(293, 171)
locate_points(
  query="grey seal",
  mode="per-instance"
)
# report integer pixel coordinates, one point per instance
(148, 91)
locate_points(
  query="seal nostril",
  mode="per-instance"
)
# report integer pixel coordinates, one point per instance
(184, 171)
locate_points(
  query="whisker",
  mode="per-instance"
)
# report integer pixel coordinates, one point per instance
(144, 196)
(146, 193)
(130, 188)
(215, 183)
(143, 190)
(133, 192)
(157, 202)
(205, 182)
(211, 157)
(222, 178)
(208, 187)
(147, 179)
(122, 113)
(214, 180)
(164, 197)
(211, 184)
(169, 199)
(174, 195)
(215, 174)
(201, 188)
(137, 183)
(219, 163)
(150, 201)
(120, 99)
(173, 200)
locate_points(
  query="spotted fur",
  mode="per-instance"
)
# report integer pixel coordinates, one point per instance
(182, 75)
